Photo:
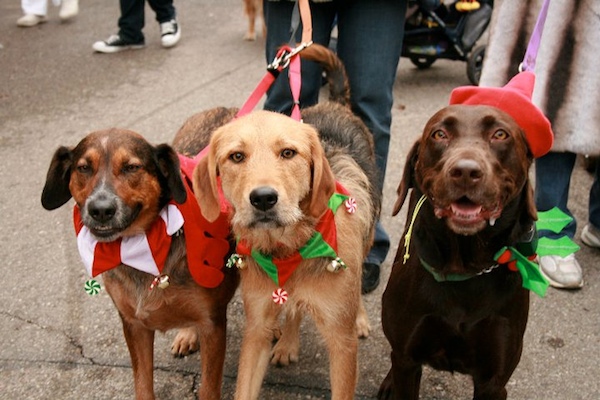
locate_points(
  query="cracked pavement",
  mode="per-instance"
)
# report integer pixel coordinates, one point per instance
(59, 343)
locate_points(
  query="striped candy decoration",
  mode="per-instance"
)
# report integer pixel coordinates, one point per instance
(92, 287)
(280, 296)
(350, 205)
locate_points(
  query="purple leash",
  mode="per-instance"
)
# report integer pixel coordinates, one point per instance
(528, 63)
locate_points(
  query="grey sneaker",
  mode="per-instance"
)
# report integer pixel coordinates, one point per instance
(170, 33)
(114, 44)
(590, 236)
(562, 273)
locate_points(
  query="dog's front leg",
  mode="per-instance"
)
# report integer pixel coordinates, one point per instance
(261, 319)
(140, 342)
(287, 347)
(213, 344)
(342, 344)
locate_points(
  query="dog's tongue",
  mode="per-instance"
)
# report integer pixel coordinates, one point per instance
(466, 211)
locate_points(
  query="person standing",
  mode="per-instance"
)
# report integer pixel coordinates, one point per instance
(36, 11)
(369, 43)
(567, 89)
(131, 23)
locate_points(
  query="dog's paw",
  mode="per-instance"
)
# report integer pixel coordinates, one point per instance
(250, 36)
(185, 343)
(363, 328)
(285, 353)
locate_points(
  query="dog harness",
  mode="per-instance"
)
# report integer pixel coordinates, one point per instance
(323, 243)
(207, 243)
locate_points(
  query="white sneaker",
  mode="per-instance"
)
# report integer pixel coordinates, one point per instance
(170, 33)
(563, 273)
(31, 20)
(68, 9)
(590, 236)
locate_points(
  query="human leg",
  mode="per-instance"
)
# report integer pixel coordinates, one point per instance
(132, 20)
(68, 9)
(130, 36)
(553, 179)
(591, 232)
(370, 35)
(34, 12)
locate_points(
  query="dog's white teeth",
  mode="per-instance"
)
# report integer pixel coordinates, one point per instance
(493, 221)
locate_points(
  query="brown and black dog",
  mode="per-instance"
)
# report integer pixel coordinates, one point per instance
(447, 303)
(120, 184)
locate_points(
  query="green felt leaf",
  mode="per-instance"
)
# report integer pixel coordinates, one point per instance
(556, 247)
(553, 220)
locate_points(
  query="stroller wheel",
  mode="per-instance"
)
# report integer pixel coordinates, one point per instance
(422, 62)
(475, 64)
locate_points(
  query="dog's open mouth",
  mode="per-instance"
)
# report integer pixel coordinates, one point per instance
(468, 216)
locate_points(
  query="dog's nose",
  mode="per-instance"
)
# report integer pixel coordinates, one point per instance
(263, 198)
(102, 210)
(466, 172)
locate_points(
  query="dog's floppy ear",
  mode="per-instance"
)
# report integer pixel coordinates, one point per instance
(56, 189)
(206, 187)
(408, 177)
(168, 164)
(530, 201)
(323, 181)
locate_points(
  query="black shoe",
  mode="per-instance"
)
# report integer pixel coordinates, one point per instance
(114, 44)
(370, 277)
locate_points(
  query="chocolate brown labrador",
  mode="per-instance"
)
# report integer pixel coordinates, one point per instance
(448, 304)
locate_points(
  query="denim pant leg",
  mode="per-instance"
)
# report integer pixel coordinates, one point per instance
(278, 16)
(131, 21)
(594, 202)
(370, 34)
(552, 181)
(163, 9)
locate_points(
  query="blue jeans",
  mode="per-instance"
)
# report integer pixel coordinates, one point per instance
(553, 179)
(132, 19)
(370, 34)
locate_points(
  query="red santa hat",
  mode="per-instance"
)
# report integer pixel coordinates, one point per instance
(515, 100)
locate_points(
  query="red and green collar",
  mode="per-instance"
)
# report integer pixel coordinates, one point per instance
(323, 243)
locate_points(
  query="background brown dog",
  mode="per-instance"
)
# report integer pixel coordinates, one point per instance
(254, 12)
(472, 163)
(120, 182)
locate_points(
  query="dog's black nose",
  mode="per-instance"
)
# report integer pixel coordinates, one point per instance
(102, 210)
(263, 198)
(466, 172)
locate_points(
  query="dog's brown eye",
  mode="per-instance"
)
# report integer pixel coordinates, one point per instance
(288, 153)
(500, 135)
(237, 157)
(130, 168)
(439, 135)
(84, 168)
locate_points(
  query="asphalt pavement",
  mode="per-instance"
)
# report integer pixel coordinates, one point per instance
(59, 343)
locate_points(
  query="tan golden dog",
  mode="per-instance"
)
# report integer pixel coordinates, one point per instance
(278, 179)
(120, 183)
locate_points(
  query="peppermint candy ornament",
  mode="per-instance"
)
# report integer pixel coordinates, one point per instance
(350, 205)
(92, 287)
(280, 296)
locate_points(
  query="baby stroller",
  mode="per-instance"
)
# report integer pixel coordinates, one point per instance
(436, 30)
